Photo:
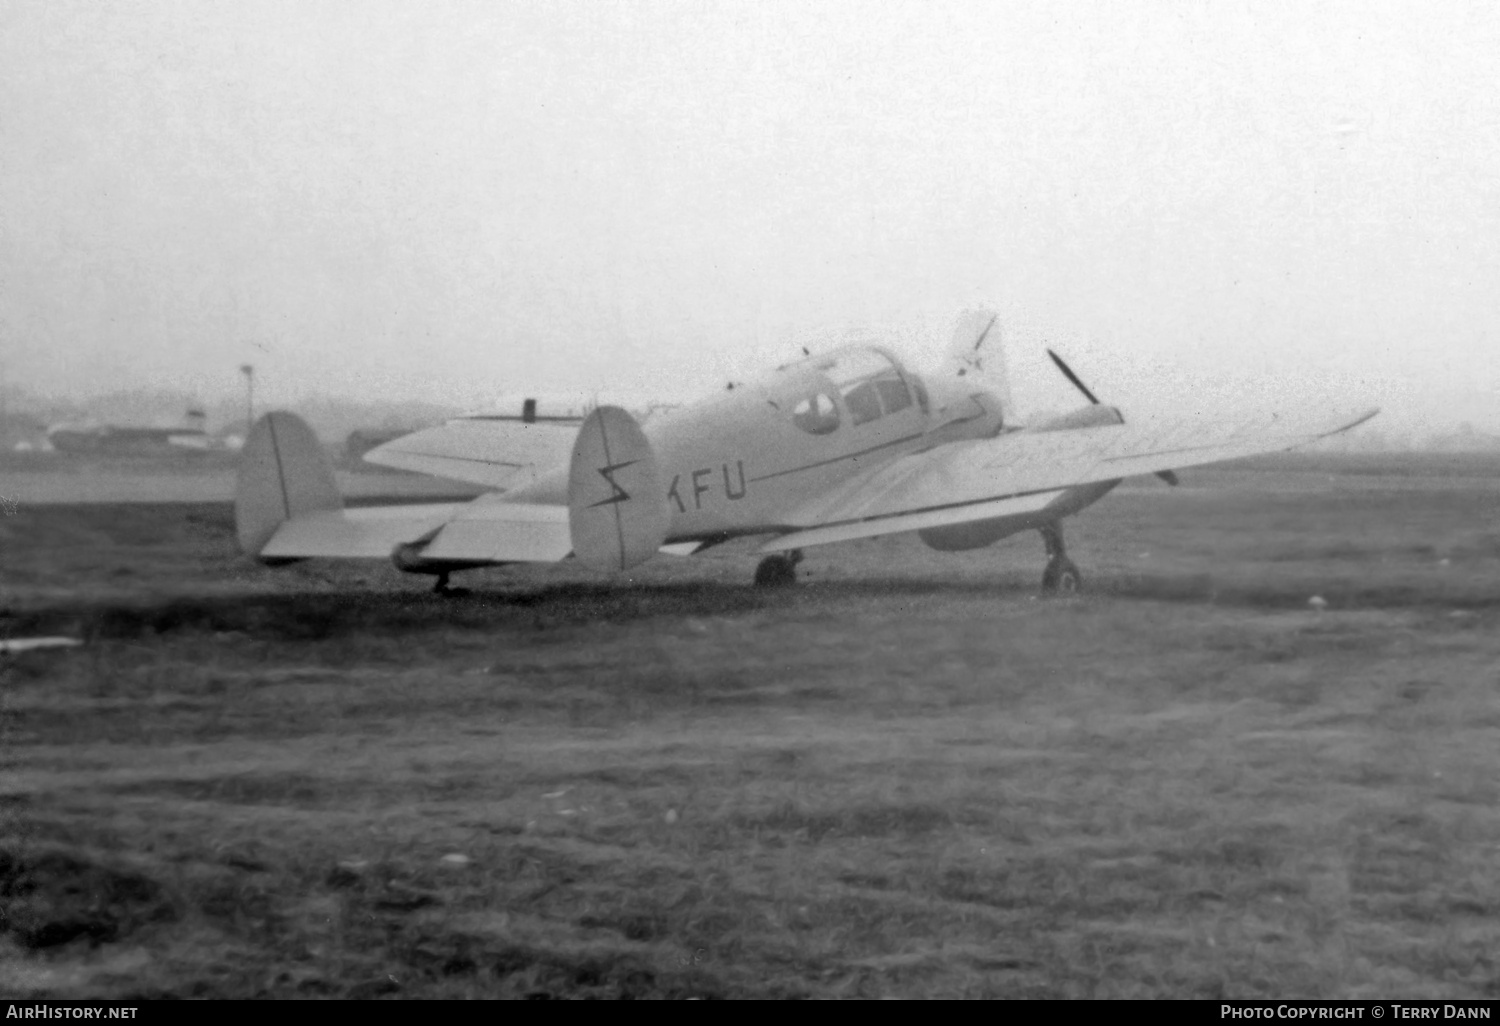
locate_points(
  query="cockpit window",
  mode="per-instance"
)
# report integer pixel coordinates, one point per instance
(817, 415)
(863, 401)
(921, 391)
(893, 393)
(870, 383)
(865, 381)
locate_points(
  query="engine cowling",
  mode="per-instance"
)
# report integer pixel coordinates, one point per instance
(979, 533)
(1084, 417)
(974, 535)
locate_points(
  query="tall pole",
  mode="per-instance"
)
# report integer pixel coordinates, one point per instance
(249, 372)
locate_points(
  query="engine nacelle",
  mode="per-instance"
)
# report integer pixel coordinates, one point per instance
(1087, 417)
(974, 535)
(979, 533)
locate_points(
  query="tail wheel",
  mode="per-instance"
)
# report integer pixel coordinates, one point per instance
(1062, 577)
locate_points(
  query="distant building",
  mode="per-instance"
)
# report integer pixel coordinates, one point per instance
(121, 440)
(22, 433)
(1465, 439)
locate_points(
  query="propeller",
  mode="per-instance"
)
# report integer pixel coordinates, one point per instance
(1166, 475)
(974, 353)
(1077, 383)
(973, 358)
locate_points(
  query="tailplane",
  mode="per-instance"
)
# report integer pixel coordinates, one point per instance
(284, 473)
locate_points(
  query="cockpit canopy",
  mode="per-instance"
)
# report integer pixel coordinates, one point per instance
(817, 414)
(862, 383)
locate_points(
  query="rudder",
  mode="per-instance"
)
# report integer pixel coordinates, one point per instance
(617, 508)
(283, 473)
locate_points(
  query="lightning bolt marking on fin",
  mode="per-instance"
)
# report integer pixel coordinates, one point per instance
(621, 495)
(608, 473)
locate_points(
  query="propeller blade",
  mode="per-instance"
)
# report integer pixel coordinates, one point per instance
(984, 334)
(973, 358)
(1068, 373)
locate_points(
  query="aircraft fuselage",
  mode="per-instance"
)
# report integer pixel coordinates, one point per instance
(748, 459)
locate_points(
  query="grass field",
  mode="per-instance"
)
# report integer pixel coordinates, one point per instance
(907, 777)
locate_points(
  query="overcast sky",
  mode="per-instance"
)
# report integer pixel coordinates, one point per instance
(447, 201)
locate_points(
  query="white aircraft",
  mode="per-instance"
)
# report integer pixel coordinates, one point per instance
(841, 445)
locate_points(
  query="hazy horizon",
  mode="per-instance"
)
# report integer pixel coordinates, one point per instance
(388, 202)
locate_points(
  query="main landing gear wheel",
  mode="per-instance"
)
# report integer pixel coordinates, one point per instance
(778, 571)
(1061, 577)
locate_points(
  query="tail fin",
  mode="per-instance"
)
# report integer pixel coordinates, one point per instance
(978, 350)
(617, 509)
(284, 473)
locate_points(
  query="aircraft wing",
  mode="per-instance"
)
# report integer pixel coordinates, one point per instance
(498, 452)
(1022, 473)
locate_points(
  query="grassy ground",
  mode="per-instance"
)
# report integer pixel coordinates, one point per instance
(907, 777)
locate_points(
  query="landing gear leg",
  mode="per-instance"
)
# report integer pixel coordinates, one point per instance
(778, 571)
(1061, 577)
(442, 588)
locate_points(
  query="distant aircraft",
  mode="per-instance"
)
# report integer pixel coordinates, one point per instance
(840, 445)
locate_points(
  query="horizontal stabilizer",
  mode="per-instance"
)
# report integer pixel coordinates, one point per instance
(681, 548)
(496, 531)
(494, 453)
(486, 530)
(371, 533)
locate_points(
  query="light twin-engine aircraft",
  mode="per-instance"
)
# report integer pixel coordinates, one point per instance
(841, 445)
